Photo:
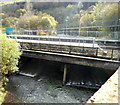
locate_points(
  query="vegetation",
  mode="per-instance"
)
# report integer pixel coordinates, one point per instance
(9, 21)
(42, 21)
(102, 14)
(2, 94)
(10, 53)
(51, 15)
(20, 12)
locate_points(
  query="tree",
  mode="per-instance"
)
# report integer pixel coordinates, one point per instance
(110, 14)
(20, 12)
(87, 20)
(103, 14)
(10, 53)
(9, 21)
(27, 22)
(47, 22)
(33, 22)
(70, 6)
(10, 9)
(3, 15)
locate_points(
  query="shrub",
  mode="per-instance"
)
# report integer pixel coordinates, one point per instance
(9, 54)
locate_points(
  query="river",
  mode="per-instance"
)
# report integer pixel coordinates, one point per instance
(45, 84)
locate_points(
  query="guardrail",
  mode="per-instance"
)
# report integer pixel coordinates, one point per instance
(97, 34)
(82, 45)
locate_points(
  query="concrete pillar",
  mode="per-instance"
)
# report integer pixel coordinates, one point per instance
(65, 74)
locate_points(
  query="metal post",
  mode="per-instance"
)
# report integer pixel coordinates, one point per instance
(93, 42)
(112, 54)
(80, 5)
(66, 24)
(66, 27)
(87, 32)
(65, 74)
(96, 51)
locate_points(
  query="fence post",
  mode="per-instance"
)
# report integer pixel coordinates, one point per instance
(112, 54)
(93, 42)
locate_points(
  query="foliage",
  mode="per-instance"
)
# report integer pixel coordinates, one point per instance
(42, 33)
(20, 12)
(9, 21)
(41, 21)
(10, 8)
(47, 22)
(103, 14)
(70, 6)
(58, 10)
(10, 53)
(2, 94)
(110, 14)
(2, 15)
(27, 22)
(87, 20)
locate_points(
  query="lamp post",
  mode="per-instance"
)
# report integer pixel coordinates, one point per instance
(29, 27)
(66, 26)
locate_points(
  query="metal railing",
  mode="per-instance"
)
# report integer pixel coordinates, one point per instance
(54, 38)
(96, 34)
(74, 45)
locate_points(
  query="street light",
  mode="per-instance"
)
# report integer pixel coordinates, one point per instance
(80, 5)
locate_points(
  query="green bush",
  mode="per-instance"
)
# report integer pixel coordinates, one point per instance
(9, 54)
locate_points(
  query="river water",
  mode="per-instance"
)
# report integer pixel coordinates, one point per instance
(45, 84)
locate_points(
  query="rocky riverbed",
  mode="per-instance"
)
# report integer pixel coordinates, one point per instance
(41, 82)
(44, 90)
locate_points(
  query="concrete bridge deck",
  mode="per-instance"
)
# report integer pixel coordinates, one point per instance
(73, 59)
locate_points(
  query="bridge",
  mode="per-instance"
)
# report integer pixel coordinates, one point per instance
(87, 51)
(71, 47)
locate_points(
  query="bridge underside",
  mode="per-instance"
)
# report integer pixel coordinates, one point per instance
(73, 59)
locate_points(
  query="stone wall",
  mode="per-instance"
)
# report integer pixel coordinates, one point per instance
(108, 93)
